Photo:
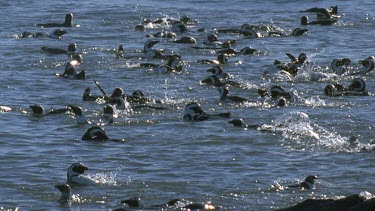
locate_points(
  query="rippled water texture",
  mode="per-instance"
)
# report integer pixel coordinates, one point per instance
(165, 157)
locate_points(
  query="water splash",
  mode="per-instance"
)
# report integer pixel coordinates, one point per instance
(298, 132)
(366, 195)
(315, 101)
(105, 178)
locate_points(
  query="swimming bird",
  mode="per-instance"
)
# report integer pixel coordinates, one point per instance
(244, 51)
(302, 58)
(193, 112)
(123, 105)
(250, 33)
(281, 102)
(305, 21)
(227, 44)
(136, 202)
(97, 133)
(368, 64)
(174, 60)
(67, 23)
(151, 53)
(219, 72)
(87, 96)
(246, 29)
(224, 96)
(357, 85)
(296, 32)
(262, 92)
(221, 59)
(242, 124)
(324, 13)
(178, 27)
(332, 9)
(353, 141)
(212, 40)
(71, 50)
(144, 25)
(340, 66)
(234, 30)
(293, 66)
(38, 110)
(139, 97)
(120, 103)
(70, 72)
(57, 34)
(200, 206)
(65, 190)
(210, 44)
(215, 81)
(356, 88)
(167, 21)
(151, 24)
(186, 40)
(138, 100)
(172, 65)
(109, 113)
(184, 19)
(277, 91)
(307, 183)
(119, 53)
(260, 27)
(162, 34)
(281, 71)
(119, 100)
(299, 32)
(117, 92)
(75, 175)
(334, 90)
(79, 114)
(77, 59)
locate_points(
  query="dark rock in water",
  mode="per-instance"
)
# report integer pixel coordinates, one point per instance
(351, 203)
(366, 205)
(310, 205)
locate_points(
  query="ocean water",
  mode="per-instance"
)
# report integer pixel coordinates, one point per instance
(165, 157)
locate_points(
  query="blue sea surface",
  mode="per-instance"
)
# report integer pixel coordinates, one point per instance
(163, 156)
